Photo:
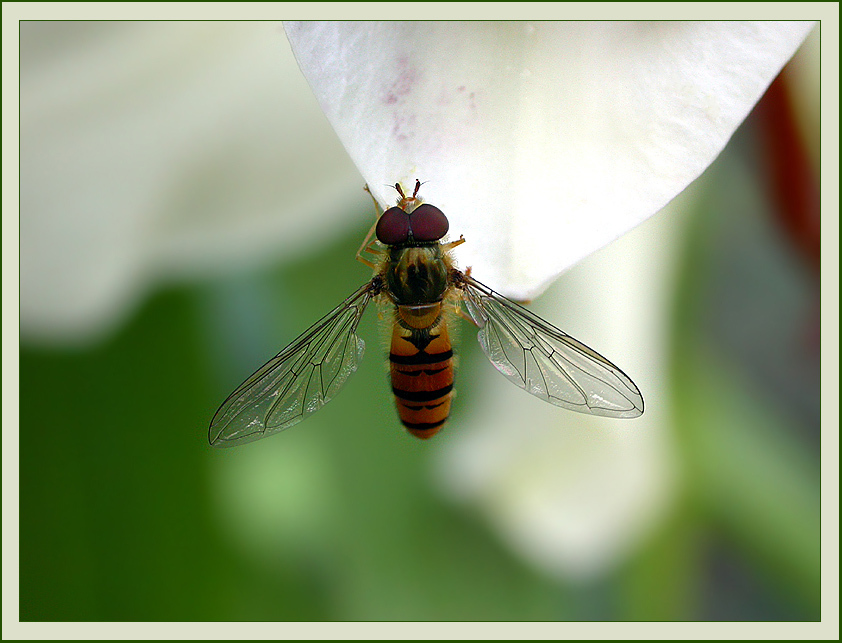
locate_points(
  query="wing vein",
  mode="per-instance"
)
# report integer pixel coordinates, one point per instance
(569, 374)
(283, 391)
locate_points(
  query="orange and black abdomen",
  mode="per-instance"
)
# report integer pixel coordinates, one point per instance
(421, 366)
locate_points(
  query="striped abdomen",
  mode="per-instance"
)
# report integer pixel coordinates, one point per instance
(421, 365)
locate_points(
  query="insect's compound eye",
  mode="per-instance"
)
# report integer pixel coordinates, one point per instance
(393, 226)
(428, 223)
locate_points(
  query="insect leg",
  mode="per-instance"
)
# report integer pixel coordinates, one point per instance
(451, 245)
(455, 305)
(461, 313)
(376, 205)
(366, 245)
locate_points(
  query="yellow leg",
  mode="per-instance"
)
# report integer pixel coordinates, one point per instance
(376, 204)
(367, 244)
(461, 313)
(451, 245)
(363, 247)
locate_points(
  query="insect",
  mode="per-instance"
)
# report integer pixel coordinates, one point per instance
(415, 278)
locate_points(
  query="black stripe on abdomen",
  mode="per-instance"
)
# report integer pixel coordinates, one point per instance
(420, 358)
(422, 396)
(423, 426)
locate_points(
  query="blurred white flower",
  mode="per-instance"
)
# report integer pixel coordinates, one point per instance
(542, 142)
(154, 151)
(572, 493)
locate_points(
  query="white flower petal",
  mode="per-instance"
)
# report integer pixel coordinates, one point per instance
(161, 150)
(541, 141)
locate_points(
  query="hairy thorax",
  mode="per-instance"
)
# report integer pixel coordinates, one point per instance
(416, 275)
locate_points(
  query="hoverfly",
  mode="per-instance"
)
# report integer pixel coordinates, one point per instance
(414, 276)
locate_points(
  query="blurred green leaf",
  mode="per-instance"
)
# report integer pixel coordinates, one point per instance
(662, 582)
(115, 515)
(753, 477)
(749, 469)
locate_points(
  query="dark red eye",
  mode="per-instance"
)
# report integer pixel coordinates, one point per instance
(393, 227)
(428, 223)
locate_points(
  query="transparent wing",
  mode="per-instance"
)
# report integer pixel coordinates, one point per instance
(546, 361)
(298, 381)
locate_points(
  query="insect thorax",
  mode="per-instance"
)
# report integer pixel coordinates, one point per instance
(416, 274)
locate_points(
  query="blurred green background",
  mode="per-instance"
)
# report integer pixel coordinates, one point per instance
(126, 513)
